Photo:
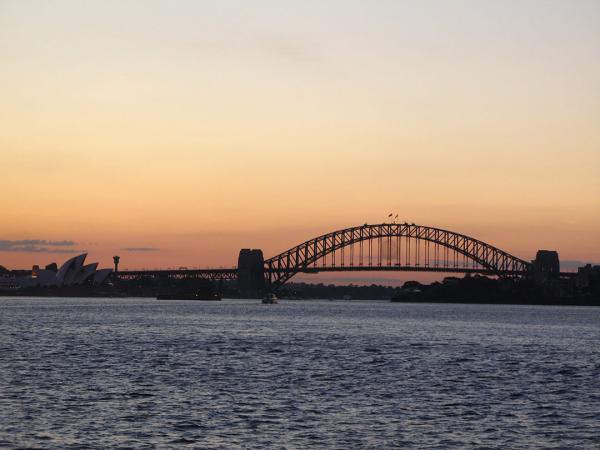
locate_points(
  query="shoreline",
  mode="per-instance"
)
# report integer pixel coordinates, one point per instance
(576, 302)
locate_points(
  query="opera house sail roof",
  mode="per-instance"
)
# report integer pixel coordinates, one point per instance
(73, 272)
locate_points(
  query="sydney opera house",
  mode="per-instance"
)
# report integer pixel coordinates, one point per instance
(72, 273)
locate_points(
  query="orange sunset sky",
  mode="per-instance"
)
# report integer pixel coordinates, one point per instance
(173, 133)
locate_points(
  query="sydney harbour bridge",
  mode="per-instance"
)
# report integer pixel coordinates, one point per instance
(379, 247)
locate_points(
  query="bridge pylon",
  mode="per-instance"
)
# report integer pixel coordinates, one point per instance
(251, 276)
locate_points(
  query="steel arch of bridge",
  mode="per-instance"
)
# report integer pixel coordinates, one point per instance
(433, 249)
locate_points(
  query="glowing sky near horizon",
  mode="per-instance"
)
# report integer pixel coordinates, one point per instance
(189, 129)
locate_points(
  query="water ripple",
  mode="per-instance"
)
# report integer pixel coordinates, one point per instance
(97, 373)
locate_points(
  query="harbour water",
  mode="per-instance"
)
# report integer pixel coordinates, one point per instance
(142, 373)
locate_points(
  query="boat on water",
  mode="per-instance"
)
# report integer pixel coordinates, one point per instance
(202, 296)
(270, 299)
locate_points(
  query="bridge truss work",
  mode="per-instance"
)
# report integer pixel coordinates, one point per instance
(392, 247)
(380, 247)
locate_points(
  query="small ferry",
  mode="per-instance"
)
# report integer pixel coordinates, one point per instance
(270, 299)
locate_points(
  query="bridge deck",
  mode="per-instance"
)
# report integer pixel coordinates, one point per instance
(231, 273)
(209, 274)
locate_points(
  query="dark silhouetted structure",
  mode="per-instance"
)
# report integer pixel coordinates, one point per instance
(250, 272)
(546, 266)
(381, 247)
(392, 246)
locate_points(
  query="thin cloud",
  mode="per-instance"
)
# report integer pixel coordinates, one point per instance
(141, 249)
(270, 47)
(283, 49)
(38, 246)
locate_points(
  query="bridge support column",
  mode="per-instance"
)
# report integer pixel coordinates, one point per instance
(251, 277)
(546, 266)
